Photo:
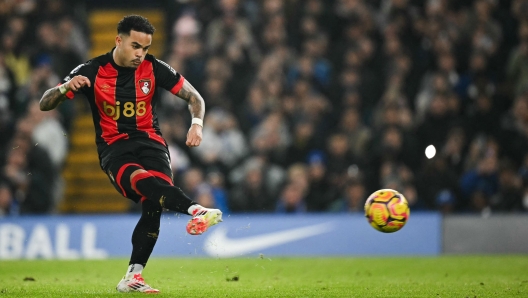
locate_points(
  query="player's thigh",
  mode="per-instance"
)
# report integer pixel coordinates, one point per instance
(119, 170)
(157, 163)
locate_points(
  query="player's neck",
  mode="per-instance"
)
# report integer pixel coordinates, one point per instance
(116, 61)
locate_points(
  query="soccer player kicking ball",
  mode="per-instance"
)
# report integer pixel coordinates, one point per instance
(122, 89)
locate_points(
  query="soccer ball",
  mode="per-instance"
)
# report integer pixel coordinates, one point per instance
(387, 210)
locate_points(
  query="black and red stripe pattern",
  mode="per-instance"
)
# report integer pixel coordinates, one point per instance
(105, 86)
(123, 100)
(120, 175)
(145, 84)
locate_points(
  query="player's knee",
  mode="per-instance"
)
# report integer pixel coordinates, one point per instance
(139, 175)
(137, 172)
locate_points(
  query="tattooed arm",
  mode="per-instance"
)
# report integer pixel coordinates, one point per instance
(193, 98)
(53, 97)
(197, 109)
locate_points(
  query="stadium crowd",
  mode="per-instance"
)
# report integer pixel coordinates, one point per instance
(311, 104)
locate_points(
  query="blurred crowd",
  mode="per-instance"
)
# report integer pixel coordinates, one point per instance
(311, 104)
(40, 42)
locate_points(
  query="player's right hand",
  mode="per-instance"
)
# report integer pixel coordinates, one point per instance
(77, 82)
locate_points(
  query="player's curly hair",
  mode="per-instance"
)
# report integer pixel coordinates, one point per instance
(136, 23)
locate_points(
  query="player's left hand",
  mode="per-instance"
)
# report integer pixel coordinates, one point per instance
(194, 136)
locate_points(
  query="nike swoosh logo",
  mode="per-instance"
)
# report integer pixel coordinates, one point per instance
(219, 245)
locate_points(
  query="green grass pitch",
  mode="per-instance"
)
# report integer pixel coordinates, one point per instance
(260, 276)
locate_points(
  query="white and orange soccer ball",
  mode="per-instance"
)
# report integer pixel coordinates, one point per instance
(387, 210)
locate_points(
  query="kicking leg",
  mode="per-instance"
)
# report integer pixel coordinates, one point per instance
(173, 198)
(168, 196)
(136, 182)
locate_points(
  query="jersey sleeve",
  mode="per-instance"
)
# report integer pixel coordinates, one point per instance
(85, 69)
(167, 77)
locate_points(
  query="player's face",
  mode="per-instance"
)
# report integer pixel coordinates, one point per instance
(131, 49)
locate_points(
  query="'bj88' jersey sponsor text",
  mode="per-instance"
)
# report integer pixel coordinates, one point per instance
(128, 109)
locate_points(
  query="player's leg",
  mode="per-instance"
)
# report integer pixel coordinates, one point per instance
(145, 234)
(146, 231)
(144, 238)
(162, 189)
(133, 181)
(146, 184)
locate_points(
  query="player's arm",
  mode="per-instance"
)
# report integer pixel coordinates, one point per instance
(197, 109)
(51, 99)
(193, 98)
(54, 96)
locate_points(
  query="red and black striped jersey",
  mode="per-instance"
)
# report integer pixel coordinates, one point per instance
(123, 100)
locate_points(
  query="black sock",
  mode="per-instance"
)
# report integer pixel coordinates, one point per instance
(170, 197)
(146, 233)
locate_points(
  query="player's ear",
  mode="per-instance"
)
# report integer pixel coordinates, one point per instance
(118, 40)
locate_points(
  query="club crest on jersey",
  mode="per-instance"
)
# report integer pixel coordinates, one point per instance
(145, 85)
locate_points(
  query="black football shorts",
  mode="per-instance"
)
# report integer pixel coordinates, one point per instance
(133, 153)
